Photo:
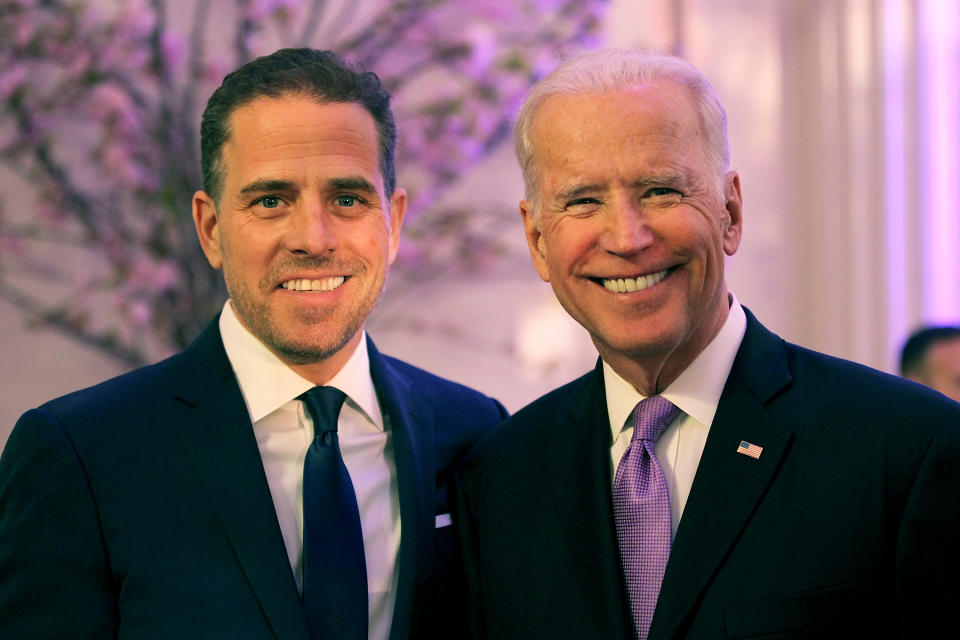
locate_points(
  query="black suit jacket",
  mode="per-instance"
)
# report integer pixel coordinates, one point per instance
(847, 525)
(139, 508)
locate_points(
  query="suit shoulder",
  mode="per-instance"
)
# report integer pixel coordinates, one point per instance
(89, 428)
(103, 394)
(459, 416)
(808, 365)
(531, 424)
(552, 402)
(858, 394)
(816, 386)
(95, 412)
(202, 364)
(442, 392)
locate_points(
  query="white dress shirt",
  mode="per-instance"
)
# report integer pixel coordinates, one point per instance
(696, 392)
(284, 431)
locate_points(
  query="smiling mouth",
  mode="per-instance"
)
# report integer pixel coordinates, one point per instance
(305, 284)
(629, 285)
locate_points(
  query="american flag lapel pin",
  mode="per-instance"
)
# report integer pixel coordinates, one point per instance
(749, 449)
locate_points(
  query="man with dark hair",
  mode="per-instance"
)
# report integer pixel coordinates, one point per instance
(309, 73)
(280, 478)
(707, 479)
(931, 356)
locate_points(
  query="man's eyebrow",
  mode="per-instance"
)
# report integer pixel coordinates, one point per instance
(353, 183)
(259, 186)
(578, 190)
(660, 179)
(670, 178)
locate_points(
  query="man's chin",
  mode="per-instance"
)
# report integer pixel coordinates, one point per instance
(636, 345)
(309, 352)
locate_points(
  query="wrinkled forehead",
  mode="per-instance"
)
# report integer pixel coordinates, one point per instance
(645, 123)
(661, 108)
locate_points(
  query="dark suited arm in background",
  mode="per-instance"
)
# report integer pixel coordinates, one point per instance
(465, 532)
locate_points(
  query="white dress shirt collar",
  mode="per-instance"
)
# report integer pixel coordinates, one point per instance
(696, 391)
(267, 383)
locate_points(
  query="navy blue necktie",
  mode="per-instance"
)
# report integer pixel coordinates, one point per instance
(334, 567)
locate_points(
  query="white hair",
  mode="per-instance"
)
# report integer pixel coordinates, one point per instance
(608, 70)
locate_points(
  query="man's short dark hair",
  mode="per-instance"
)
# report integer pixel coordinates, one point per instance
(914, 353)
(321, 75)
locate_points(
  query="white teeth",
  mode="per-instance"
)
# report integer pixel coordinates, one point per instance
(625, 285)
(303, 284)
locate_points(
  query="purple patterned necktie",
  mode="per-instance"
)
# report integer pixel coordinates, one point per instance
(641, 508)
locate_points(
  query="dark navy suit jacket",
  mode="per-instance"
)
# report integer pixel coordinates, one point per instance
(139, 508)
(846, 526)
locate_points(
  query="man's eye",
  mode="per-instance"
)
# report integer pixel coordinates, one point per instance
(582, 201)
(269, 202)
(346, 201)
(661, 191)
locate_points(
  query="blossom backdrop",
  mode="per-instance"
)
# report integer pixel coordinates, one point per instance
(99, 114)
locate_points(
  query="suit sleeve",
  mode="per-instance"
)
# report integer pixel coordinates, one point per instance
(502, 410)
(465, 531)
(54, 576)
(928, 545)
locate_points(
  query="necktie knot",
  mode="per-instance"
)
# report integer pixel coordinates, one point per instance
(323, 404)
(652, 417)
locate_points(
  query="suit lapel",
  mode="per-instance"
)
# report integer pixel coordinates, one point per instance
(411, 425)
(579, 475)
(728, 485)
(216, 431)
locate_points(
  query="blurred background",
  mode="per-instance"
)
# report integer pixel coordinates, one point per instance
(844, 120)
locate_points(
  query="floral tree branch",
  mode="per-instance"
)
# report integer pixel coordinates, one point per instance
(99, 105)
(73, 326)
(312, 22)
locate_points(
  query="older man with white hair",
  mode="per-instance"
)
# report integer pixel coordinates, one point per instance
(707, 479)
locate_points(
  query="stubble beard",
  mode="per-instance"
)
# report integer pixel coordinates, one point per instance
(295, 351)
(286, 344)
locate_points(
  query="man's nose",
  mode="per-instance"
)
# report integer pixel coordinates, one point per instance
(312, 231)
(626, 229)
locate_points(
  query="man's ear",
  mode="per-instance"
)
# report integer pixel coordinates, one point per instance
(398, 209)
(206, 221)
(538, 250)
(733, 204)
